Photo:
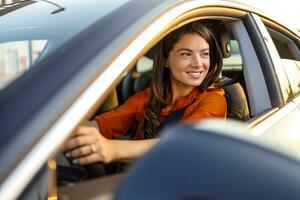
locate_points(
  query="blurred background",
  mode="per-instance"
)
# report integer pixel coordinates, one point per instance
(287, 10)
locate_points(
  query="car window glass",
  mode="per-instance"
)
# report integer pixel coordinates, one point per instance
(292, 69)
(286, 47)
(233, 63)
(144, 64)
(16, 57)
(290, 58)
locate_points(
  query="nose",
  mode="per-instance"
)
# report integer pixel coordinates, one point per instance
(196, 61)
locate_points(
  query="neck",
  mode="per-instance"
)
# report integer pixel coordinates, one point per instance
(178, 91)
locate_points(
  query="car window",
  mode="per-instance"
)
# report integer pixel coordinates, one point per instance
(16, 57)
(234, 62)
(292, 68)
(285, 46)
(144, 64)
(26, 39)
(290, 58)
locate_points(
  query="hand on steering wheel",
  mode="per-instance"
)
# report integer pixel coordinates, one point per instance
(87, 145)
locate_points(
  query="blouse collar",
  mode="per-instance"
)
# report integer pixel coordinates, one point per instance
(182, 102)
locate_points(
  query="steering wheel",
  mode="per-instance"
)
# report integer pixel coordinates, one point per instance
(68, 172)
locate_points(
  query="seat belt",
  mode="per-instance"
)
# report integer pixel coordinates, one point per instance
(173, 118)
(230, 81)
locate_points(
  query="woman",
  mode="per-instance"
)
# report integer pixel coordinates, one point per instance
(187, 63)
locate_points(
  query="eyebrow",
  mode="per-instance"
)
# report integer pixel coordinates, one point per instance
(184, 49)
(189, 50)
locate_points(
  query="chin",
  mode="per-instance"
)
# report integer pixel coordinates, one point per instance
(194, 83)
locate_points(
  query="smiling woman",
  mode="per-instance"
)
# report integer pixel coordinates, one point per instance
(187, 63)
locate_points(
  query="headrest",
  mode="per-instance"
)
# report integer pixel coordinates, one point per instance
(219, 30)
(142, 82)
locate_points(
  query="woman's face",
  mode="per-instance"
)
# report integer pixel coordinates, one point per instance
(188, 61)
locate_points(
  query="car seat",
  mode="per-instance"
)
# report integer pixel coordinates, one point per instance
(237, 106)
(134, 82)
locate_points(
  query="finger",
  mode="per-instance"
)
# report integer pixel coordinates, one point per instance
(86, 130)
(79, 141)
(63, 147)
(79, 152)
(92, 123)
(92, 158)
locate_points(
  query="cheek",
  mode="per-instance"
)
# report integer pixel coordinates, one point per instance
(178, 64)
(207, 65)
(175, 65)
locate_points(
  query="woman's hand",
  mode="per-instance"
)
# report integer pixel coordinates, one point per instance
(88, 146)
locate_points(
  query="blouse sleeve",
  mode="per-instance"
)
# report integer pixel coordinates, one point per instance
(212, 105)
(117, 122)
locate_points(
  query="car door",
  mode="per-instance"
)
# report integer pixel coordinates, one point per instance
(282, 45)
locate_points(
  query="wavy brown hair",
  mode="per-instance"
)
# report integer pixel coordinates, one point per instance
(161, 94)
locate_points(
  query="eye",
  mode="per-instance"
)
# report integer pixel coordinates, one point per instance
(185, 54)
(205, 54)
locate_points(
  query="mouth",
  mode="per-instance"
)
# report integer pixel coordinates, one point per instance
(195, 74)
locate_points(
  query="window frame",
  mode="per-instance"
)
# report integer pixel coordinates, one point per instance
(274, 121)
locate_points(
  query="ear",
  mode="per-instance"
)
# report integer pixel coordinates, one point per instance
(166, 64)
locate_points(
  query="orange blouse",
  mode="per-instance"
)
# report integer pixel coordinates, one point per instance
(203, 105)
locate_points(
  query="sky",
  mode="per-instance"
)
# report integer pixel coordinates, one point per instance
(284, 9)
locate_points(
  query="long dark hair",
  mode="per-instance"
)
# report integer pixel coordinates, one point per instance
(161, 94)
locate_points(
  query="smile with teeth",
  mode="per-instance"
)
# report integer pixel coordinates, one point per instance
(194, 74)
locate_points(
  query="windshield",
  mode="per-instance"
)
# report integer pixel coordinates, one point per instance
(30, 30)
